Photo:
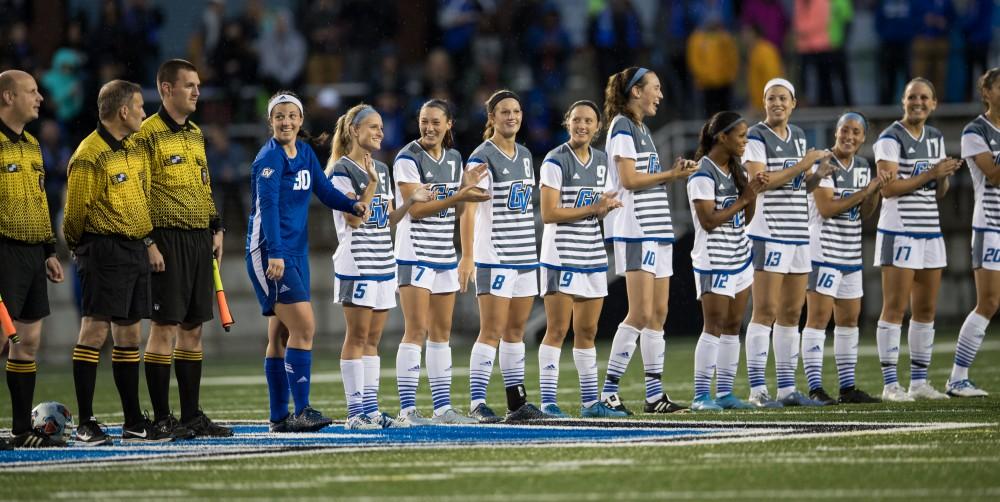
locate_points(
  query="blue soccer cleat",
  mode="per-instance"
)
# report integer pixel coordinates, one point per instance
(601, 410)
(731, 402)
(798, 399)
(553, 411)
(704, 403)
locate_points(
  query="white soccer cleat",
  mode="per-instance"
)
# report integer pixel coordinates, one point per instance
(965, 388)
(413, 418)
(452, 417)
(361, 423)
(925, 391)
(895, 393)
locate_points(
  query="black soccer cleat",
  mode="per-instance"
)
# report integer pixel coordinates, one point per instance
(35, 439)
(310, 420)
(820, 396)
(172, 427)
(283, 425)
(90, 433)
(144, 432)
(615, 403)
(663, 405)
(484, 414)
(526, 413)
(5, 444)
(854, 395)
(203, 426)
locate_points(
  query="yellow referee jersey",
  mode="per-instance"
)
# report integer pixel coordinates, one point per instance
(24, 210)
(108, 189)
(180, 194)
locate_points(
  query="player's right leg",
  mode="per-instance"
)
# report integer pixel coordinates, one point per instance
(415, 302)
(558, 313)
(973, 331)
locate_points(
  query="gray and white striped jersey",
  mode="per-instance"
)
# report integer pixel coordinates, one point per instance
(574, 246)
(429, 241)
(364, 252)
(916, 213)
(725, 248)
(645, 214)
(981, 136)
(782, 214)
(836, 242)
(505, 225)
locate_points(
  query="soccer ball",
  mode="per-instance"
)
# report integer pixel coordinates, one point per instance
(52, 419)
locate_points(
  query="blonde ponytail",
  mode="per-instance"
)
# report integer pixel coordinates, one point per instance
(340, 144)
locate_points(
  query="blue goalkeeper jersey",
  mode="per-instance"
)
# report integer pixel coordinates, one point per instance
(280, 189)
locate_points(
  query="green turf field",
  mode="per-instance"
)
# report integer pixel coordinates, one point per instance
(958, 463)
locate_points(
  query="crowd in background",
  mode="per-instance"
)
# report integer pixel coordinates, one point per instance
(396, 54)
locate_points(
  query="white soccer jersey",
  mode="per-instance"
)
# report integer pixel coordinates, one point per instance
(505, 225)
(364, 252)
(645, 214)
(724, 249)
(429, 241)
(780, 215)
(981, 136)
(836, 242)
(914, 214)
(574, 246)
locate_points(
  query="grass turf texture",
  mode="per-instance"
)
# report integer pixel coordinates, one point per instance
(943, 464)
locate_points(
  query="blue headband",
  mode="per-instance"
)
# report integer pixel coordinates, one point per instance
(362, 113)
(641, 72)
(853, 116)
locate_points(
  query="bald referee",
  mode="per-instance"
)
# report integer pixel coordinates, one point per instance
(107, 225)
(27, 246)
(188, 233)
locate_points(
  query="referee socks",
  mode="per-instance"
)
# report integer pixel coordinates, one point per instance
(187, 368)
(157, 368)
(85, 361)
(21, 383)
(125, 367)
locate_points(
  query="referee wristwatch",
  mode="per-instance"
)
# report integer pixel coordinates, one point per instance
(148, 241)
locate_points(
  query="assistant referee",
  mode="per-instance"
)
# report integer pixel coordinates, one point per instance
(107, 225)
(188, 233)
(27, 246)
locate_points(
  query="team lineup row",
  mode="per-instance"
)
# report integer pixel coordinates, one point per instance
(772, 217)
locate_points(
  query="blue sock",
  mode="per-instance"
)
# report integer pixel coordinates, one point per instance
(298, 365)
(277, 387)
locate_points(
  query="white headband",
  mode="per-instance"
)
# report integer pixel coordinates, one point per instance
(776, 82)
(284, 98)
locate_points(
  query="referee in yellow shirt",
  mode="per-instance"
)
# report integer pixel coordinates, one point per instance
(188, 233)
(27, 247)
(107, 225)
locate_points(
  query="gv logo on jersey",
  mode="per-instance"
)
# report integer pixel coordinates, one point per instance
(737, 220)
(586, 197)
(854, 213)
(520, 197)
(654, 164)
(441, 192)
(797, 180)
(379, 213)
(921, 167)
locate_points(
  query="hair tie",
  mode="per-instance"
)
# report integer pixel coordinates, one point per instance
(641, 72)
(284, 98)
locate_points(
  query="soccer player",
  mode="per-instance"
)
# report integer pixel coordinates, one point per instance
(780, 244)
(505, 263)
(27, 247)
(107, 225)
(641, 231)
(722, 201)
(574, 264)
(188, 234)
(909, 246)
(845, 192)
(426, 259)
(980, 149)
(284, 174)
(364, 265)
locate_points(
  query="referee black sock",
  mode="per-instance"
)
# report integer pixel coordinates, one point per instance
(125, 366)
(85, 361)
(158, 383)
(187, 367)
(21, 383)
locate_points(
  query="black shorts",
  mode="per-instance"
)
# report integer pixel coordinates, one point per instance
(185, 291)
(22, 282)
(114, 274)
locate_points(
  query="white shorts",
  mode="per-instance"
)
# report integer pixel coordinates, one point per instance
(904, 251)
(836, 283)
(435, 280)
(780, 258)
(723, 283)
(581, 284)
(654, 257)
(506, 282)
(378, 295)
(985, 250)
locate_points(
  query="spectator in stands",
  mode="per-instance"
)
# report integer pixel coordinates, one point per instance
(616, 35)
(977, 27)
(55, 157)
(812, 34)
(894, 20)
(227, 162)
(458, 20)
(17, 52)
(324, 28)
(770, 19)
(548, 48)
(763, 64)
(841, 14)
(282, 53)
(63, 86)
(714, 62)
(141, 22)
(930, 45)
